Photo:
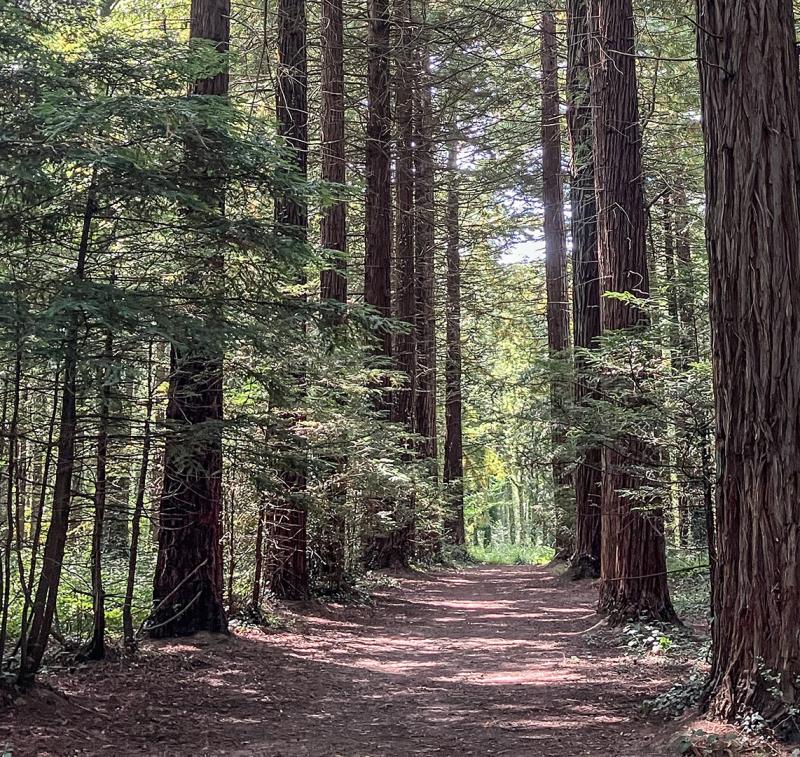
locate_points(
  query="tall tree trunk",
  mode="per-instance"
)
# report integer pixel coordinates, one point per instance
(333, 283)
(424, 245)
(556, 273)
(428, 540)
(405, 342)
(333, 227)
(392, 548)
(751, 120)
(187, 586)
(289, 562)
(585, 283)
(453, 442)
(378, 230)
(378, 198)
(633, 555)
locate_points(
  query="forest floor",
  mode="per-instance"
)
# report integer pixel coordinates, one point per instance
(481, 661)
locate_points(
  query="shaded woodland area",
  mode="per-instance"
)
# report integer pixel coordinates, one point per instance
(299, 296)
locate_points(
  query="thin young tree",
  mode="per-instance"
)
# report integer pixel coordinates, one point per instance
(585, 561)
(633, 555)
(96, 648)
(128, 632)
(556, 274)
(751, 121)
(119, 482)
(187, 587)
(35, 636)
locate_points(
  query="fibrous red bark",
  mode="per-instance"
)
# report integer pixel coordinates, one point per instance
(453, 443)
(556, 274)
(288, 517)
(633, 556)
(585, 561)
(751, 119)
(187, 586)
(378, 197)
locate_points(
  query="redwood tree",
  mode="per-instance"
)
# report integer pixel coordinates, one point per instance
(392, 547)
(380, 548)
(633, 557)
(378, 197)
(187, 588)
(405, 342)
(424, 245)
(585, 283)
(333, 280)
(333, 229)
(453, 473)
(751, 120)
(556, 274)
(288, 558)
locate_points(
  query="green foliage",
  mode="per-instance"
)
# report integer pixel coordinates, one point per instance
(511, 554)
(172, 200)
(681, 697)
(690, 589)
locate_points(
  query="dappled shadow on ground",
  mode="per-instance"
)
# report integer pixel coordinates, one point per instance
(491, 660)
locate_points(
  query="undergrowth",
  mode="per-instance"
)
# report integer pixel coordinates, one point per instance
(511, 554)
(690, 588)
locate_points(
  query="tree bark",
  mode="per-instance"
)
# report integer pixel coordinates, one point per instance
(333, 231)
(424, 270)
(405, 342)
(187, 586)
(556, 274)
(333, 284)
(751, 120)
(633, 557)
(585, 284)
(288, 530)
(453, 442)
(378, 198)
(392, 547)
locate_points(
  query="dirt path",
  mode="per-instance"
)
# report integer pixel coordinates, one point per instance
(477, 662)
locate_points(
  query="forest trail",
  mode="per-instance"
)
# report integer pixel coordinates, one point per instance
(488, 660)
